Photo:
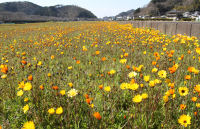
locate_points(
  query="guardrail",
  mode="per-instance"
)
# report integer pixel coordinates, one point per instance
(170, 28)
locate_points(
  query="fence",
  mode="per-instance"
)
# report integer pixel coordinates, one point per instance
(170, 28)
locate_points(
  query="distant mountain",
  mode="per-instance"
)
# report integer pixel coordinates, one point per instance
(28, 11)
(127, 13)
(160, 7)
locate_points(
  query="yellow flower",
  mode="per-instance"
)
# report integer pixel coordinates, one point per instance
(70, 84)
(72, 93)
(165, 98)
(112, 71)
(184, 120)
(21, 85)
(162, 74)
(25, 99)
(137, 99)
(164, 49)
(154, 70)
(29, 125)
(51, 111)
(123, 61)
(91, 105)
(144, 52)
(27, 86)
(25, 108)
(3, 76)
(183, 91)
(132, 74)
(198, 50)
(167, 93)
(174, 96)
(198, 105)
(49, 74)
(59, 110)
(84, 48)
(123, 86)
(133, 86)
(146, 78)
(62, 92)
(107, 88)
(197, 88)
(144, 96)
(70, 67)
(151, 83)
(157, 81)
(39, 63)
(20, 93)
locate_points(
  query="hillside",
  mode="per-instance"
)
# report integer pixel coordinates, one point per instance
(127, 13)
(160, 7)
(30, 11)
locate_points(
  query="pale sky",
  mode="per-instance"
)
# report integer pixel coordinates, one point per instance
(100, 8)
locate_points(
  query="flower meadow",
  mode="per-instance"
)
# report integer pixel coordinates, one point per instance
(97, 75)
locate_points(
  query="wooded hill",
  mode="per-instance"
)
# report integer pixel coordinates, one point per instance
(160, 7)
(27, 11)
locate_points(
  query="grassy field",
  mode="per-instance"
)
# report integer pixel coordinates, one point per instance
(97, 75)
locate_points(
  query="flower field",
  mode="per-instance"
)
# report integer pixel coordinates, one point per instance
(97, 75)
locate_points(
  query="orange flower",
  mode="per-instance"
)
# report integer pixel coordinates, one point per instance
(24, 62)
(173, 68)
(126, 54)
(157, 58)
(172, 52)
(128, 67)
(187, 77)
(103, 58)
(156, 54)
(52, 56)
(171, 91)
(55, 87)
(30, 77)
(194, 99)
(23, 53)
(198, 50)
(182, 106)
(189, 52)
(41, 87)
(78, 62)
(101, 87)
(97, 52)
(191, 69)
(4, 69)
(170, 55)
(132, 81)
(153, 63)
(182, 56)
(97, 115)
(88, 101)
(197, 88)
(86, 96)
(23, 58)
